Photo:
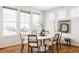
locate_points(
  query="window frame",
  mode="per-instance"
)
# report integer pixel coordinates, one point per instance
(25, 12)
(36, 26)
(9, 20)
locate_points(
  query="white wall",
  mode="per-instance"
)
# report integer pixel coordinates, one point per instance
(13, 40)
(8, 41)
(74, 24)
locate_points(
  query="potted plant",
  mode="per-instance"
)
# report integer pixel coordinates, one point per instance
(41, 24)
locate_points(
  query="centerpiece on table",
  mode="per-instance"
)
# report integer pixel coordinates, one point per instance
(41, 24)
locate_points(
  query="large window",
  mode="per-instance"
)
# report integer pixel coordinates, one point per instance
(14, 21)
(74, 12)
(9, 21)
(24, 22)
(61, 14)
(36, 19)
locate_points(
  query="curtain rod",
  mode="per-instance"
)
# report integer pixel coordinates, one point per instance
(9, 8)
(25, 11)
(20, 10)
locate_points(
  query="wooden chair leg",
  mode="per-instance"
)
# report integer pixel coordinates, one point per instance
(31, 50)
(52, 48)
(45, 48)
(67, 43)
(22, 47)
(57, 47)
(60, 44)
(70, 42)
(28, 49)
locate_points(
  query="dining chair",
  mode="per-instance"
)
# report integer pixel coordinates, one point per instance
(46, 32)
(54, 40)
(35, 44)
(34, 32)
(23, 42)
(32, 42)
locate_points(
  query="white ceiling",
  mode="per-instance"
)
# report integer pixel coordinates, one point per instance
(43, 8)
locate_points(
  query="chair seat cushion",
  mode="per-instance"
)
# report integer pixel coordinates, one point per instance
(25, 42)
(33, 44)
(50, 43)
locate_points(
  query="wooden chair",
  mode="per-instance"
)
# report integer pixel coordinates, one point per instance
(35, 45)
(23, 42)
(34, 32)
(54, 40)
(32, 42)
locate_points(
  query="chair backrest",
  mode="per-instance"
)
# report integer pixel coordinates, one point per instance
(32, 39)
(34, 33)
(56, 37)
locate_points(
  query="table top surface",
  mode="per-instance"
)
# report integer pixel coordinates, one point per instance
(49, 36)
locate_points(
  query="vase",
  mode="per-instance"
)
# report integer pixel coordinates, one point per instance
(42, 32)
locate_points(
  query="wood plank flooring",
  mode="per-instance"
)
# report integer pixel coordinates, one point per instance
(17, 49)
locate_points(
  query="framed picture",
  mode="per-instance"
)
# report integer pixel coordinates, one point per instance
(64, 26)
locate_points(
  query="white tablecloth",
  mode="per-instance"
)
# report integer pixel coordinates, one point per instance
(49, 36)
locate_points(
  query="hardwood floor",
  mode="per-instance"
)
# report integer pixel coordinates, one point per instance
(17, 49)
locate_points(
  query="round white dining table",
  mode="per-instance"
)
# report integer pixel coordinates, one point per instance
(42, 38)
